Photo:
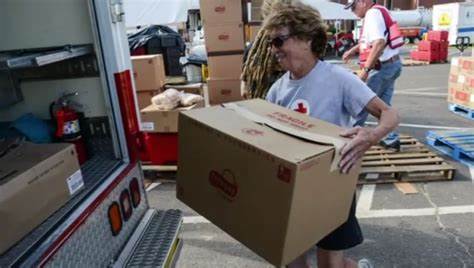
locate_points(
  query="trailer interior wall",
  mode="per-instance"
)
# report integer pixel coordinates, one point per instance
(39, 94)
(26, 24)
(30, 24)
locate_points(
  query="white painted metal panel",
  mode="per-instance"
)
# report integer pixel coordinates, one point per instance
(51, 22)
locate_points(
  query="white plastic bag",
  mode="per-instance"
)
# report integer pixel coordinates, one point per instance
(167, 100)
(188, 99)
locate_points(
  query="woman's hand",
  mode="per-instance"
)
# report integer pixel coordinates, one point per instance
(354, 150)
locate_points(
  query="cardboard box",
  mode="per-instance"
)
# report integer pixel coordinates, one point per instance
(453, 87)
(144, 97)
(438, 36)
(148, 72)
(273, 192)
(219, 11)
(425, 45)
(415, 55)
(223, 90)
(455, 66)
(467, 64)
(430, 56)
(466, 79)
(463, 98)
(194, 88)
(226, 66)
(224, 37)
(158, 121)
(35, 181)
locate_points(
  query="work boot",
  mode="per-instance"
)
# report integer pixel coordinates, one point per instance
(391, 141)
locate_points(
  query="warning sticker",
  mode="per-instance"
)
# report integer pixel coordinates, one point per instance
(444, 19)
(75, 182)
(148, 126)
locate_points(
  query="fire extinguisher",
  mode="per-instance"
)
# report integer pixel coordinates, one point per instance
(67, 124)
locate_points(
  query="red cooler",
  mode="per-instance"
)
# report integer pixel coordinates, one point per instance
(162, 148)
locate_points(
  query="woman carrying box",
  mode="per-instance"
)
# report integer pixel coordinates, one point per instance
(331, 93)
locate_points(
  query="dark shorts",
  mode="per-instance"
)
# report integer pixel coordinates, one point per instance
(346, 236)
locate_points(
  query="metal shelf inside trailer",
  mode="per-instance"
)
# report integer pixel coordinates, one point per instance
(36, 58)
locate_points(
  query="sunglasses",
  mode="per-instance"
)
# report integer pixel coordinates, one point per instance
(279, 40)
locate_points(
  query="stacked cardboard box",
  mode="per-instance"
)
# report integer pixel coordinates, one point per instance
(435, 49)
(224, 36)
(149, 76)
(461, 82)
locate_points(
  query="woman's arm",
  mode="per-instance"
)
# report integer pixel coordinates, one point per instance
(364, 138)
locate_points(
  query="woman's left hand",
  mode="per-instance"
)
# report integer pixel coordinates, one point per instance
(362, 140)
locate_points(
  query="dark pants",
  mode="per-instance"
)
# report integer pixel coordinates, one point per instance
(382, 83)
(346, 236)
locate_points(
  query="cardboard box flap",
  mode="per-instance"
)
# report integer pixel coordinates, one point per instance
(264, 138)
(153, 108)
(261, 138)
(322, 139)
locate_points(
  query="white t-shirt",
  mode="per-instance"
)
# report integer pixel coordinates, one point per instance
(373, 29)
(327, 92)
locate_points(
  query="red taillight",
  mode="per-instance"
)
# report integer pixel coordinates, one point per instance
(115, 218)
(126, 205)
(128, 111)
(135, 192)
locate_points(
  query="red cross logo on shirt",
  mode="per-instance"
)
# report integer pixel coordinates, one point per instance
(301, 108)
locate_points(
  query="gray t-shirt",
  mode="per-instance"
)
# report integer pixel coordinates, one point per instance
(327, 92)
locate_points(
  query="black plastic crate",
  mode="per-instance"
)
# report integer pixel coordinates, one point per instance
(171, 57)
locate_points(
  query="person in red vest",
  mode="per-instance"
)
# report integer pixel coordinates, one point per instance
(379, 58)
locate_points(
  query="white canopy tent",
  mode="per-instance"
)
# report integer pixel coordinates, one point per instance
(330, 10)
(162, 12)
(166, 12)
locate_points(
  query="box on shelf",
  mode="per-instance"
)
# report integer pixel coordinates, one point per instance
(35, 181)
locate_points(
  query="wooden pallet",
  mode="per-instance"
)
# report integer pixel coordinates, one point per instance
(414, 163)
(410, 62)
(156, 172)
